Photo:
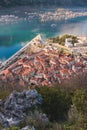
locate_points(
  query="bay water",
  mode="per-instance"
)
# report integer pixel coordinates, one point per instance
(20, 25)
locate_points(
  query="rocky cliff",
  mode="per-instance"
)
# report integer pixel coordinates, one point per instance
(17, 105)
(44, 2)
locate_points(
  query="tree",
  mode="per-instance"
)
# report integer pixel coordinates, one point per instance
(80, 102)
(56, 102)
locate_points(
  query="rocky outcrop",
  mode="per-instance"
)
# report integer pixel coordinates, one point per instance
(28, 128)
(15, 108)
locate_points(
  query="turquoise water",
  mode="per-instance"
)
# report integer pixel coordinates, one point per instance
(17, 27)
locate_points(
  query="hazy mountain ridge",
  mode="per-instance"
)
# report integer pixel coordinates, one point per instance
(44, 2)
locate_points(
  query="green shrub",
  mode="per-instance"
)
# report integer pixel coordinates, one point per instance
(35, 119)
(13, 128)
(39, 124)
(56, 102)
(1, 126)
(61, 40)
(4, 94)
(80, 102)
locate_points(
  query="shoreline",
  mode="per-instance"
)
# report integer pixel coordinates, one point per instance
(52, 26)
(63, 14)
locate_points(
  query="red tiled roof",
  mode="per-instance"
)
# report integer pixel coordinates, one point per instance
(40, 63)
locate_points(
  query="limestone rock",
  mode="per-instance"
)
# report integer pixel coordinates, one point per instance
(16, 106)
(28, 128)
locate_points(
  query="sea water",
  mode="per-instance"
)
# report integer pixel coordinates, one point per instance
(17, 26)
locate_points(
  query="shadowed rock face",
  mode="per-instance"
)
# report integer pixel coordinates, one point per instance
(44, 2)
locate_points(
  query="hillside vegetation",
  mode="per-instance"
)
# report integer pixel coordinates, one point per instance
(47, 96)
(65, 105)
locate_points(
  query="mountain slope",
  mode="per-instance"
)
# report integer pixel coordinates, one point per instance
(44, 2)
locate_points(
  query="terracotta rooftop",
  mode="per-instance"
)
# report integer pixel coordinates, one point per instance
(45, 67)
